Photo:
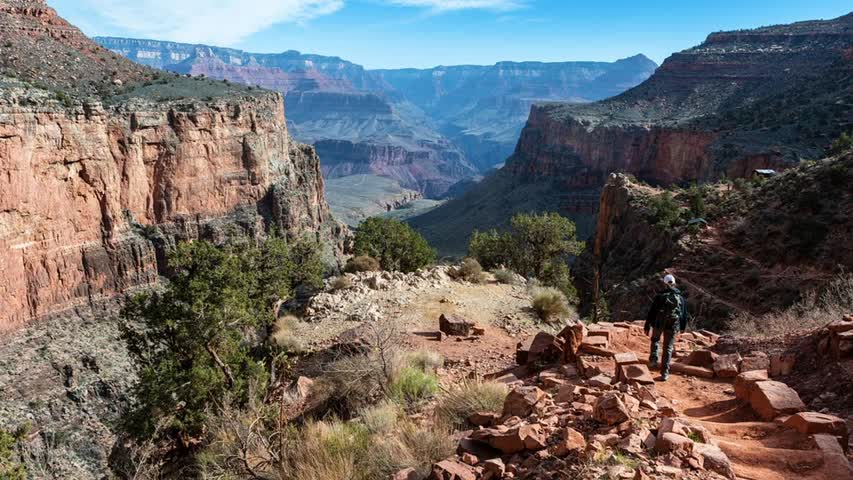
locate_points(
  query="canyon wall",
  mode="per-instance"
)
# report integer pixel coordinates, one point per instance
(93, 189)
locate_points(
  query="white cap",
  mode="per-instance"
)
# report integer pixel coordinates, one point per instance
(669, 280)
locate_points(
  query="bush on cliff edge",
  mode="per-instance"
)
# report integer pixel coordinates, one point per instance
(396, 245)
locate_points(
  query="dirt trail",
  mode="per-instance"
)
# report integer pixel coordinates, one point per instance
(758, 450)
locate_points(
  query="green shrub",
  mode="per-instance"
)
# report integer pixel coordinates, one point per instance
(537, 246)
(469, 270)
(491, 249)
(664, 210)
(10, 466)
(841, 144)
(362, 264)
(468, 398)
(696, 195)
(396, 245)
(189, 340)
(411, 386)
(549, 304)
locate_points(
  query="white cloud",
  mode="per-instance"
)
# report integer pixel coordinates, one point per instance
(445, 5)
(220, 22)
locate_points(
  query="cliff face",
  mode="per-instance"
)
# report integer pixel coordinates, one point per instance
(86, 181)
(460, 120)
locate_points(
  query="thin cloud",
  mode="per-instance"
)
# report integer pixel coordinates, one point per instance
(446, 5)
(221, 22)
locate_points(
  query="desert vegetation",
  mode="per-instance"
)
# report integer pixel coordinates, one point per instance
(395, 245)
(536, 246)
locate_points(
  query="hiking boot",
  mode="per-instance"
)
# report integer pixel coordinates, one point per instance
(653, 365)
(664, 376)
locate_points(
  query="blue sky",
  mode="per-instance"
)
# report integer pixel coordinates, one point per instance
(426, 33)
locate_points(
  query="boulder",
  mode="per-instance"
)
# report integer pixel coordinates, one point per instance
(701, 358)
(745, 380)
(696, 371)
(493, 469)
(600, 381)
(755, 361)
(835, 463)
(451, 470)
(513, 440)
(841, 344)
(483, 419)
(571, 441)
(670, 442)
(610, 410)
(571, 338)
(813, 422)
(714, 459)
(770, 399)
(634, 373)
(727, 366)
(406, 474)
(521, 401)
(455, 325)
(782, 364)
(626, 358)
(542, 347)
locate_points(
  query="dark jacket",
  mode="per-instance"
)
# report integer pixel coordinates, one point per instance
(652, 317)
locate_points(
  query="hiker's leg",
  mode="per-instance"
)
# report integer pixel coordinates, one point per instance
(668, 348)
(654, 348)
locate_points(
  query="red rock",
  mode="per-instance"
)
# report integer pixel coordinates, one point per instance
(781, 364)
(755, 361)
(727, 366)
(841, 344)
(835, 463)
(514, 440)
(470, 459)
(714, 459)
(483, 419)
(571, 441)
(571, 338)
(566, 394)
(610, 410)
(406, 474)
(770, 399)
(840, 326)
(701, 358)
(674, 443)
(634, 373)
(745, 380)
(600, 381)
(521, 401)
(478, 331)
(542, 347)
(627, 358)
(813, 422)
(493, 469)
(454, 325)
(451, 470)
(677, 367)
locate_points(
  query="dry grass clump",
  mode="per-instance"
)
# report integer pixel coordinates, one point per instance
(470, 271)
(814, 311)
(285, 336)
(380, 418)
(549, 303)
(467, 398)
(341, 283)
(362, 263)
(426, 360)
(506, 276)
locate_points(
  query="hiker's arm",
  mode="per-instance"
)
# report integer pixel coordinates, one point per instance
(650, 318)
(683, 319)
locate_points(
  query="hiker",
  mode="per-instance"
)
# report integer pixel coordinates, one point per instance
(666, 318)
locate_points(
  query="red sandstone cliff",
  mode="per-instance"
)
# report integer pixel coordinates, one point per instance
(81, 178)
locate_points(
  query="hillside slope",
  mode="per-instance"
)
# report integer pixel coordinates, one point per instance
(766, 246)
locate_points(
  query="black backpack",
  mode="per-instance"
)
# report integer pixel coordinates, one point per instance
(671, 310)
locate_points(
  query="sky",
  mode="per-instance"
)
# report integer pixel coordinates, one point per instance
(427, 33)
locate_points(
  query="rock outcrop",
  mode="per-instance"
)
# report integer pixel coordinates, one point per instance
(98, 178)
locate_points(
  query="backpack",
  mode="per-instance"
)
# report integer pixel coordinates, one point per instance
(671, 310)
